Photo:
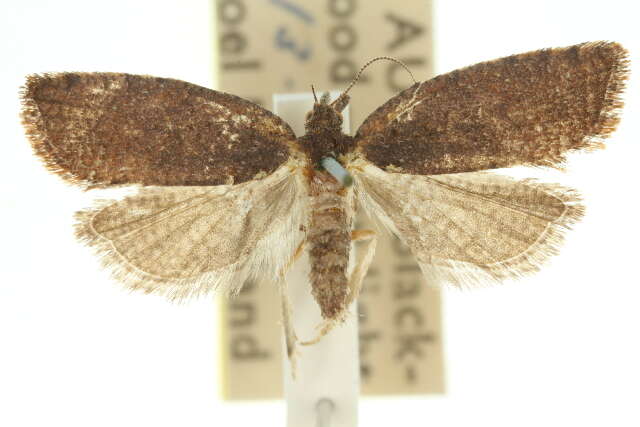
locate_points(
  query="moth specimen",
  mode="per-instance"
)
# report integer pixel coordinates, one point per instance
(225, 190)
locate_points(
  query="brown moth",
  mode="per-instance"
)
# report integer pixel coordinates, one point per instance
(226, 191)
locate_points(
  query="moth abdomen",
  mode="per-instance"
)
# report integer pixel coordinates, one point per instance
(329, 240)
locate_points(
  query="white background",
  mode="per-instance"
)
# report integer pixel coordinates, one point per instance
(560, 348)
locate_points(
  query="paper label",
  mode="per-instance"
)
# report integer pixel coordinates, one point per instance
(284, 46)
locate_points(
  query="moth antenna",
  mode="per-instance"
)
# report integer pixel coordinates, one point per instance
(313, 90)
(371, 61)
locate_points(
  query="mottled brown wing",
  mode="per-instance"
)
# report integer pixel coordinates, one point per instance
(527, 109)
(101, 129)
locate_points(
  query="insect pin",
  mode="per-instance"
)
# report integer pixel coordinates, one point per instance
(225, 191)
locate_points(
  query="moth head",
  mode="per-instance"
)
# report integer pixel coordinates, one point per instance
(325, 116)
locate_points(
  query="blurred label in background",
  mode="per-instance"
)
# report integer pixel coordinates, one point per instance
(284, 46)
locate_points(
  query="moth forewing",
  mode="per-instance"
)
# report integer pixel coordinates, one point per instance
(526, 109)
(187, 241)
(105, 129)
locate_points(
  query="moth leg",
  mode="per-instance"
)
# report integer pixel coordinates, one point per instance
(294, 258)
(325, 328)
(355, 279)
(287, 323)
(362, 263)
(287, 313)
